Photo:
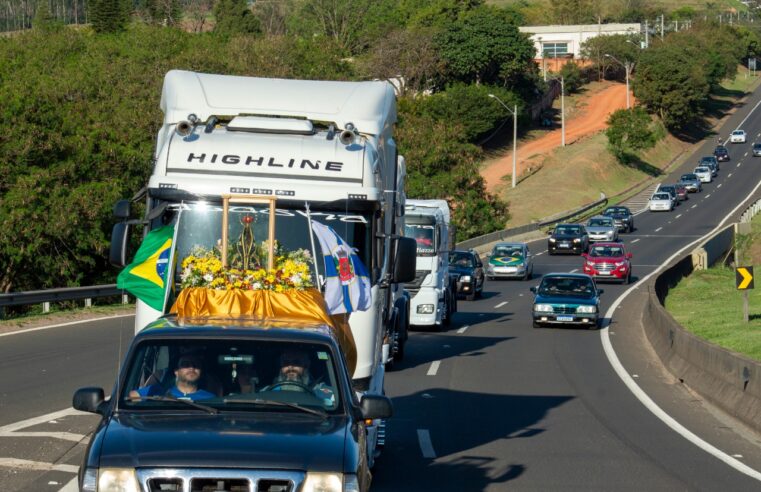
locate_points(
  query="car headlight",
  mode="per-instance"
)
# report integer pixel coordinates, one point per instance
(330, 482)
(577, 240)
(425, 309)
(620, 263)
(465, 278)
(490, 268)
(552, 239)
(117, 480)
(90, 480)
(586, 309)
(543, 308)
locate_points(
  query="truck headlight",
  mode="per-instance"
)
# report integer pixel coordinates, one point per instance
(465, 278)
(425, 309)
(543, 308)
(586, 309)
(117, 480)
(330, 482)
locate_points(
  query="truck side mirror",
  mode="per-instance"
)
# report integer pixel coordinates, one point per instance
(117, 255)
(88, 399)
(405, 251)
(122, 209)
(376, 407)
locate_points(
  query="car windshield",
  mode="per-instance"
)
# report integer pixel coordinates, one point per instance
(661, 196)
(616, 210)
(424, 236)
(689, 177)
(231, 375)
(702, 170)
(567, 286)
(757, 146)
(568, 230)
(667, 189)
(738, 132)
(511, 251)
(461, 260)
(606, 251)
(600, 222)
(721, 150)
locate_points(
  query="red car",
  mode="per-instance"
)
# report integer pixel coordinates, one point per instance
(608, 261)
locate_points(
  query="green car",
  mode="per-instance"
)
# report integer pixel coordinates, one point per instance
(510, 260)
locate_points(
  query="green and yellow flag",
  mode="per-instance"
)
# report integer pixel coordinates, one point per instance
(146, 276)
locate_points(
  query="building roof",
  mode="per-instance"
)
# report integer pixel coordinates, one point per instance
(607, 28)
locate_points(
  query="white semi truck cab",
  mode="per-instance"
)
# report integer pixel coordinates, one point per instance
(322, 144)
(433, 292)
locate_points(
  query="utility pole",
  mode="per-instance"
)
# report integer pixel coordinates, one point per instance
(647, 35)
(661, 27)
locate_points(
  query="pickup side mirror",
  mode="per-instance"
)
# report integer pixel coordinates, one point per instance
(532, 289)
(117, 255)
(376, 407)
(88, 399)
(405, 251)
(600, 292)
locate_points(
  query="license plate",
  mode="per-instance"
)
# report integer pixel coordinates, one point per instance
(565, 318)
(506, 270)
(604, 273)
(565, 245)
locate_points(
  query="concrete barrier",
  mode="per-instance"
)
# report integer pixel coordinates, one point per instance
(715, 248)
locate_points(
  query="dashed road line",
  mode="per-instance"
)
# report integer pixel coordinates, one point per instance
(635, 240)
(500, 304)
(694, 206)
(539, 253)
(462, 330)
(745, 154)
(676, 217)
(37, 465)
(739, 164)
(718, 186)
(574, 270)
(707, 196)
(426, 446)
(658, 229)
(729, 175)
(434, 368)
(23, 424)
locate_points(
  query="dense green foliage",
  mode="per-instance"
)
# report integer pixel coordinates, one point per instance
(573, 78)
(108, 16)
(234, 17)
(629, 132)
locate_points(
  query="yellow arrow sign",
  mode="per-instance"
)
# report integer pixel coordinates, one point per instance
(744, 278)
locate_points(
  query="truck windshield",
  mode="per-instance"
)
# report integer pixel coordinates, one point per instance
(200, 226)
(232, 375)
(425, 237)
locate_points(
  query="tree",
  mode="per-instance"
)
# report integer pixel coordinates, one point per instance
(109, 16)
(622, 47)
(163, 12)
(484, 47)
(629, 132)
(573, 78)
(572, 11)
(44, 20)
(234, 17)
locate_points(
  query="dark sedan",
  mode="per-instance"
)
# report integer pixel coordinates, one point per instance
(469, 270)
(568, 238)
(721, 153)
(622, 217)
(566, 298)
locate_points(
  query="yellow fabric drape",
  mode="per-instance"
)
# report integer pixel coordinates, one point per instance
(306, 305)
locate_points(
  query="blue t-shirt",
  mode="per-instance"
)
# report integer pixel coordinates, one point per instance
(156, 390)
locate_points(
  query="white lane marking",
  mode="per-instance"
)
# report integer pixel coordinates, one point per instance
(748, 116)
(64, 324)
(40, 420)
(708, 196)
(745, 154)
(676, 217)
(718, 186)
(434, 368)
(574, 270)
(639, 393)
(539, 254)
(737, 456)
(66, 436)
(426, 446)
(72, 486)
(462, 330)
(635, 240)
(739, 164)
(658, 229)
(694, 206)
(729, 175)
(500, 304)
(37, 465)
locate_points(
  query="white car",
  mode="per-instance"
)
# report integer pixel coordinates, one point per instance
(660, 201)
(704, 174)
(738, 136)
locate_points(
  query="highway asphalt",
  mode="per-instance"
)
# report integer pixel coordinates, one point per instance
(490, 403)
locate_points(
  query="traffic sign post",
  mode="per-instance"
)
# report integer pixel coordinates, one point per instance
(744, 282)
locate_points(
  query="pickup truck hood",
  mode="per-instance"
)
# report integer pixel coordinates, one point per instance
(256, 440)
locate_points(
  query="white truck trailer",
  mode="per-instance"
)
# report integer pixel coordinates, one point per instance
(326, 144)
(433, 291)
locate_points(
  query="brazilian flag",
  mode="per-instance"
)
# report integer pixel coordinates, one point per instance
(145, 278)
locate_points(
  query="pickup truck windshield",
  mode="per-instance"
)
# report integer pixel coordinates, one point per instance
(231, 375)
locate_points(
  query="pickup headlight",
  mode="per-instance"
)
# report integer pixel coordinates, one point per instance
(425, 309)
(552, 239)
(117, 480)
(543, 308)
(465, 278)
(330, 482)
(577, 240)
(586, 309)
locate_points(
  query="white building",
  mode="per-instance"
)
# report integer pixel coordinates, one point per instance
(565, 41)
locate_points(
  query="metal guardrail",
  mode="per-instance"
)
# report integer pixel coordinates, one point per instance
(535, 226)
(751, 211)
(45, 297)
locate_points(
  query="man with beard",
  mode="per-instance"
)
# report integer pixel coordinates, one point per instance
(187, 375)
(294, 376)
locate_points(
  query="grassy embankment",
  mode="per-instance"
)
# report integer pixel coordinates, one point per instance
(718, 317)
(575, 175)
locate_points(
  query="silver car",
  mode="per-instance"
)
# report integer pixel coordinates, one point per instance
(602, 228)
(661, 201)
(691, 182)
(704, 174)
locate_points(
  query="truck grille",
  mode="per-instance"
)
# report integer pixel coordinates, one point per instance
(563, 310)
(218, 480)
(414, 286)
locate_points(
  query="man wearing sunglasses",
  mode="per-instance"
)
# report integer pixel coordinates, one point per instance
(187, 375)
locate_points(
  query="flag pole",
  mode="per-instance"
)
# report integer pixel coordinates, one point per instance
(172, 256)
(314, 250)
